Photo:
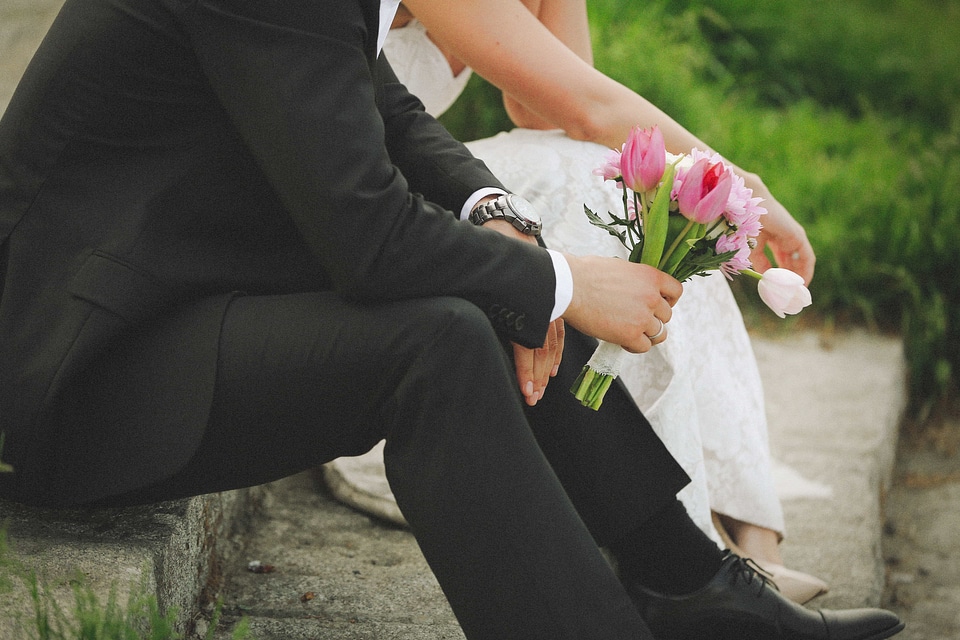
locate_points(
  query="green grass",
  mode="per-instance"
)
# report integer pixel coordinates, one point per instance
(90, 618)
(851, 113)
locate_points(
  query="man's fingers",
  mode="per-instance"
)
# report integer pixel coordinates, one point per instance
(523, 363)
(558, 349)
(659, 333)
(547, 359)
(530, 366)
(616, 300)
(670, 289)
(535, 367)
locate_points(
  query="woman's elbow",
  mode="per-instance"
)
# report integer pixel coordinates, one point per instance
(584, 124)
(579, 119)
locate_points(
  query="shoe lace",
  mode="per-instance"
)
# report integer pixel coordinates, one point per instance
(752, 573)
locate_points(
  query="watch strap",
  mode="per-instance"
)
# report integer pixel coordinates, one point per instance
(499, 208)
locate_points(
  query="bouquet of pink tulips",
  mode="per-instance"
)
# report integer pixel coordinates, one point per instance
(686, 215)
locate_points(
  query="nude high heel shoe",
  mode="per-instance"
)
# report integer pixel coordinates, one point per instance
(795, 585)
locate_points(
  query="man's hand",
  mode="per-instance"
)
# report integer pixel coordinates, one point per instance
(534, 367)
(620, 301)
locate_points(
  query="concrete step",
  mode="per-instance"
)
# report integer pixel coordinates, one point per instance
(835, 403)
(171, 551)
(332, 573)
(23, 23)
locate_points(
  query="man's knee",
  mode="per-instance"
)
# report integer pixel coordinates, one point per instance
(458, 322)
(456, 340)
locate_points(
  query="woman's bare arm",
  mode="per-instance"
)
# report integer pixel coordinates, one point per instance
(538, 53)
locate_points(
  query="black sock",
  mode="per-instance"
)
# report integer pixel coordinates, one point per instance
(668, 553)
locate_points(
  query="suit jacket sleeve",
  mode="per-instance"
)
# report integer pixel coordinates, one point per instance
(422, 148)
(349, 155)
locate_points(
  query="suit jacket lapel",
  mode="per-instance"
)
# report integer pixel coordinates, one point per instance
(371, 15)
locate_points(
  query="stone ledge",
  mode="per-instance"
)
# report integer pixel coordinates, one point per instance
(834, 404)
(172, 550)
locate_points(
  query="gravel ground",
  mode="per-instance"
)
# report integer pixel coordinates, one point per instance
(922, 534)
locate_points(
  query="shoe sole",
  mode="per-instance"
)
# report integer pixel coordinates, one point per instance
(892, 631)
(886, 633)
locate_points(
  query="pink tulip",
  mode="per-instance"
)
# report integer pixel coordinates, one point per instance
(704, 192)
(783, 291)
(644, 159)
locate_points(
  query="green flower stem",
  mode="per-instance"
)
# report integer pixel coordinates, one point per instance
(601, 391)
(753, 274)
(680, 247)
(590, 387)
(638, 224)
(656, 221)
(709, 232)
(579, 388)
(678, 240)
(631, 233)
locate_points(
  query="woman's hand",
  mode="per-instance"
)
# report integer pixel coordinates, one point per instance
(785, 236)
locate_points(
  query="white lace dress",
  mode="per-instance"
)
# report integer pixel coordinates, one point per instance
(700, 389)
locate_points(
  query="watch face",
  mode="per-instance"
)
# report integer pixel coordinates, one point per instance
(523, 207)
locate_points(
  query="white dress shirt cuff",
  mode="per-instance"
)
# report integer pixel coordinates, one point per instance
(564, 292)
(476, 197)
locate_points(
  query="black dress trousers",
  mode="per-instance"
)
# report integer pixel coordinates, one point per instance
(507, 502)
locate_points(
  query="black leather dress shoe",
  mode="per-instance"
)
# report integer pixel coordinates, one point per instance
(739, 603)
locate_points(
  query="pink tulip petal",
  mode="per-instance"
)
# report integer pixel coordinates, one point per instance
(783, 291)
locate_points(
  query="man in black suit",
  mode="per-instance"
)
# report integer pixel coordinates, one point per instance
(227, 254)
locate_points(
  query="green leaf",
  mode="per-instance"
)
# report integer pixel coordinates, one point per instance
(700, 260)
(610, 228)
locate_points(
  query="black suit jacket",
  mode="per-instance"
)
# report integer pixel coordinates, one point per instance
(160, 156)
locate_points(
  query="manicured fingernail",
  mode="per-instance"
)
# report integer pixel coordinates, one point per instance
(528, 388)
(555, 371)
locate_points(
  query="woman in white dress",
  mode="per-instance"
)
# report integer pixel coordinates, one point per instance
(700, 389)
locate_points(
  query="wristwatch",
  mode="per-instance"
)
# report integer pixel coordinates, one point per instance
(512, 208)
